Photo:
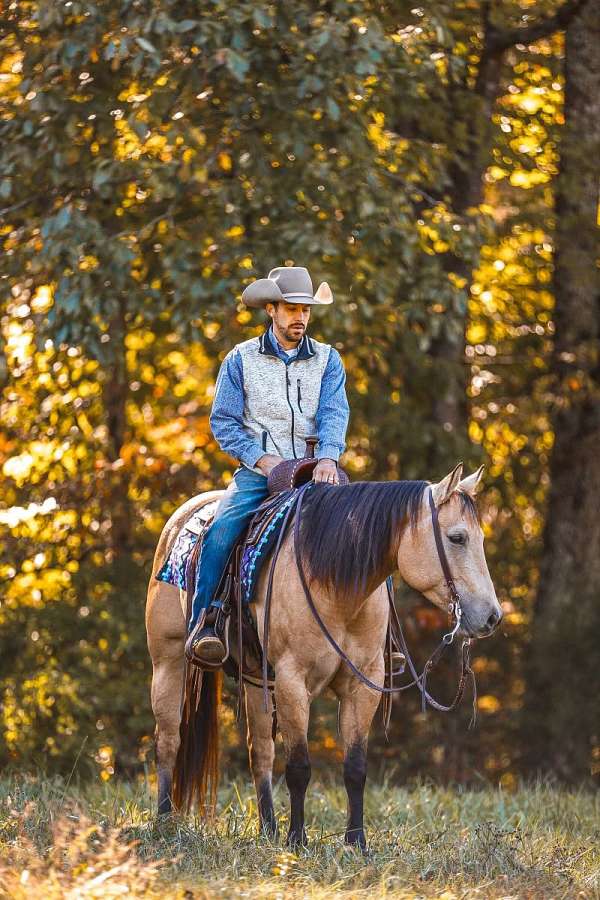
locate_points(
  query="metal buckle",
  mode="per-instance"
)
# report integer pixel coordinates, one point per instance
(453, 609)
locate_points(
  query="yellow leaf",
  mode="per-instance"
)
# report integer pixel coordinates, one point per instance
(42, 299)
(488, 703)
(225, 162)
(476, 333)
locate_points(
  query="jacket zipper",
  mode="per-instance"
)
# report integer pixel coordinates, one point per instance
(264, 441)
(287, 394)
(299, 396)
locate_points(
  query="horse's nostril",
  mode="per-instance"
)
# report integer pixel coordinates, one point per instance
(493, 620)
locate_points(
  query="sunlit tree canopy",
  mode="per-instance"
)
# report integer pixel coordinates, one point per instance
(156, 158)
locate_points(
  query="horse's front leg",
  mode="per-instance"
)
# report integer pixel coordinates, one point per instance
(293, 705)
(261, 750)
(358, 706)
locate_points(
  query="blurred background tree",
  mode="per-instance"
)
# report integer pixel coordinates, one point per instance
(158, 156)
(564, 647)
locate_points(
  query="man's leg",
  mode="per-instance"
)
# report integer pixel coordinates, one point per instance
(243, 496)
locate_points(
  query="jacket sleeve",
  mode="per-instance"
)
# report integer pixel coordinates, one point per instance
(333, 411)
(226, 418)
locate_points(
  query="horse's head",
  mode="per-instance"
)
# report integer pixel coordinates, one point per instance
(462, 537)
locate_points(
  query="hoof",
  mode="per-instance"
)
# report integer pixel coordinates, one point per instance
(297, 840)
(356, 838)
(165, 808)
(269, 829)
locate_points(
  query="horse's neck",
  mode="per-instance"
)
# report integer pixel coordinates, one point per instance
(387, 567)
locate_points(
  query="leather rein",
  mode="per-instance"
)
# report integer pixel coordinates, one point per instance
(419, 681)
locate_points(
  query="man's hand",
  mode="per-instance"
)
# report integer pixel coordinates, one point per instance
(326, 470)
(267, 463)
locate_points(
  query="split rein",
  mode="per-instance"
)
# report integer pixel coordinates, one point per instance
(419, 681)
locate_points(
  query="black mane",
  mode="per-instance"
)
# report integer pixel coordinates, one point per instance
(347, 532)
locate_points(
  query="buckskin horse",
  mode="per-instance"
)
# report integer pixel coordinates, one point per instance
(327, 629)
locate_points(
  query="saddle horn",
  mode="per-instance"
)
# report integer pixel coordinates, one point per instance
(311, 443)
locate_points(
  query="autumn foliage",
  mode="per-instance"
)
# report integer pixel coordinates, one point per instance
(155, 159)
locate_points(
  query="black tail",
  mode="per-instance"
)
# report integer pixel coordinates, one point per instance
(196, 773)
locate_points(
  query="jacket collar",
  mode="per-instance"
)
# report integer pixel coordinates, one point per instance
(266, 346)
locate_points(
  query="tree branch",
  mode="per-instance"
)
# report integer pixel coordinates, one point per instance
(499, 40)
(21, 204)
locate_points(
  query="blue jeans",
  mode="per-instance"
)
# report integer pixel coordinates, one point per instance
(242, 498)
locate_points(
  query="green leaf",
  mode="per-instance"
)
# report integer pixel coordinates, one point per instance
(333, 109)
(140, 128)
(261, 18)
(321, 39)
(101, 176)
(237, 64)
(146, 45)
(63, 218)
(186, 25)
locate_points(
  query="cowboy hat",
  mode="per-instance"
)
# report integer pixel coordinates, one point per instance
(290, 284)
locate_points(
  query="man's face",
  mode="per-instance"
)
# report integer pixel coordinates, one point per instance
(289, 319)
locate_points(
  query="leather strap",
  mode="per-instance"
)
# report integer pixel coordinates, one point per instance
(268, 596)
(418, 680)
(466, 670)
(439, 543)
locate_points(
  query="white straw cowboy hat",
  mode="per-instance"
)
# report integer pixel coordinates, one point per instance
(290, 284)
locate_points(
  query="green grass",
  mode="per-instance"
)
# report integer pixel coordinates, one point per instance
(102, 840)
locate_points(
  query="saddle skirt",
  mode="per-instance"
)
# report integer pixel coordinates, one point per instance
(258, 539)
(174, 569)
(237, 582)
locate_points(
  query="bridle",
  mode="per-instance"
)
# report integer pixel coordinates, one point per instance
(454, 604)
(420, 681)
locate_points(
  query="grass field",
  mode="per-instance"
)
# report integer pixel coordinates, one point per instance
(103, 841)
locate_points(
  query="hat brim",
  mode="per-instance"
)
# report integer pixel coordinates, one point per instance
(265, 290)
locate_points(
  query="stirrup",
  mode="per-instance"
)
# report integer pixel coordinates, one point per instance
(215, 651)
(397, 662)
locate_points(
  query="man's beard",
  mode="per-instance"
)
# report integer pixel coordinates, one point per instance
(291, 335)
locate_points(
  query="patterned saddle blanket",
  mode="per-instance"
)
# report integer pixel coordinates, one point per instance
(259, 540)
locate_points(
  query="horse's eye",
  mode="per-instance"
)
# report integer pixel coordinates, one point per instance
(458, 538)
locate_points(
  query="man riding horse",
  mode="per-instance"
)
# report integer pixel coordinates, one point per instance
(272, 392)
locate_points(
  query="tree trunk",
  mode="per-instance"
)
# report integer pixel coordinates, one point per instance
(472, 111)
(116, 392)
(562, 711)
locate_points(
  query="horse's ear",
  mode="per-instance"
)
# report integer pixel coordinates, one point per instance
(444, 488)
(470, 483)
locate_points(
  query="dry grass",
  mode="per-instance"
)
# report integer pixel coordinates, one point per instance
(103, 841)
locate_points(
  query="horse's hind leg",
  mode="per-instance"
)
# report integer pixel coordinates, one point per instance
(356, 714)
(293, 708)
(165, 628)
(261, 749)
(167, 682)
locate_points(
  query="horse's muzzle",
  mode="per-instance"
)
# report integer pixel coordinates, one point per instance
(486, 628)
(493, 620)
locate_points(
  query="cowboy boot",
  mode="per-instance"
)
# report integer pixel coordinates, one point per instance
(205, 644)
